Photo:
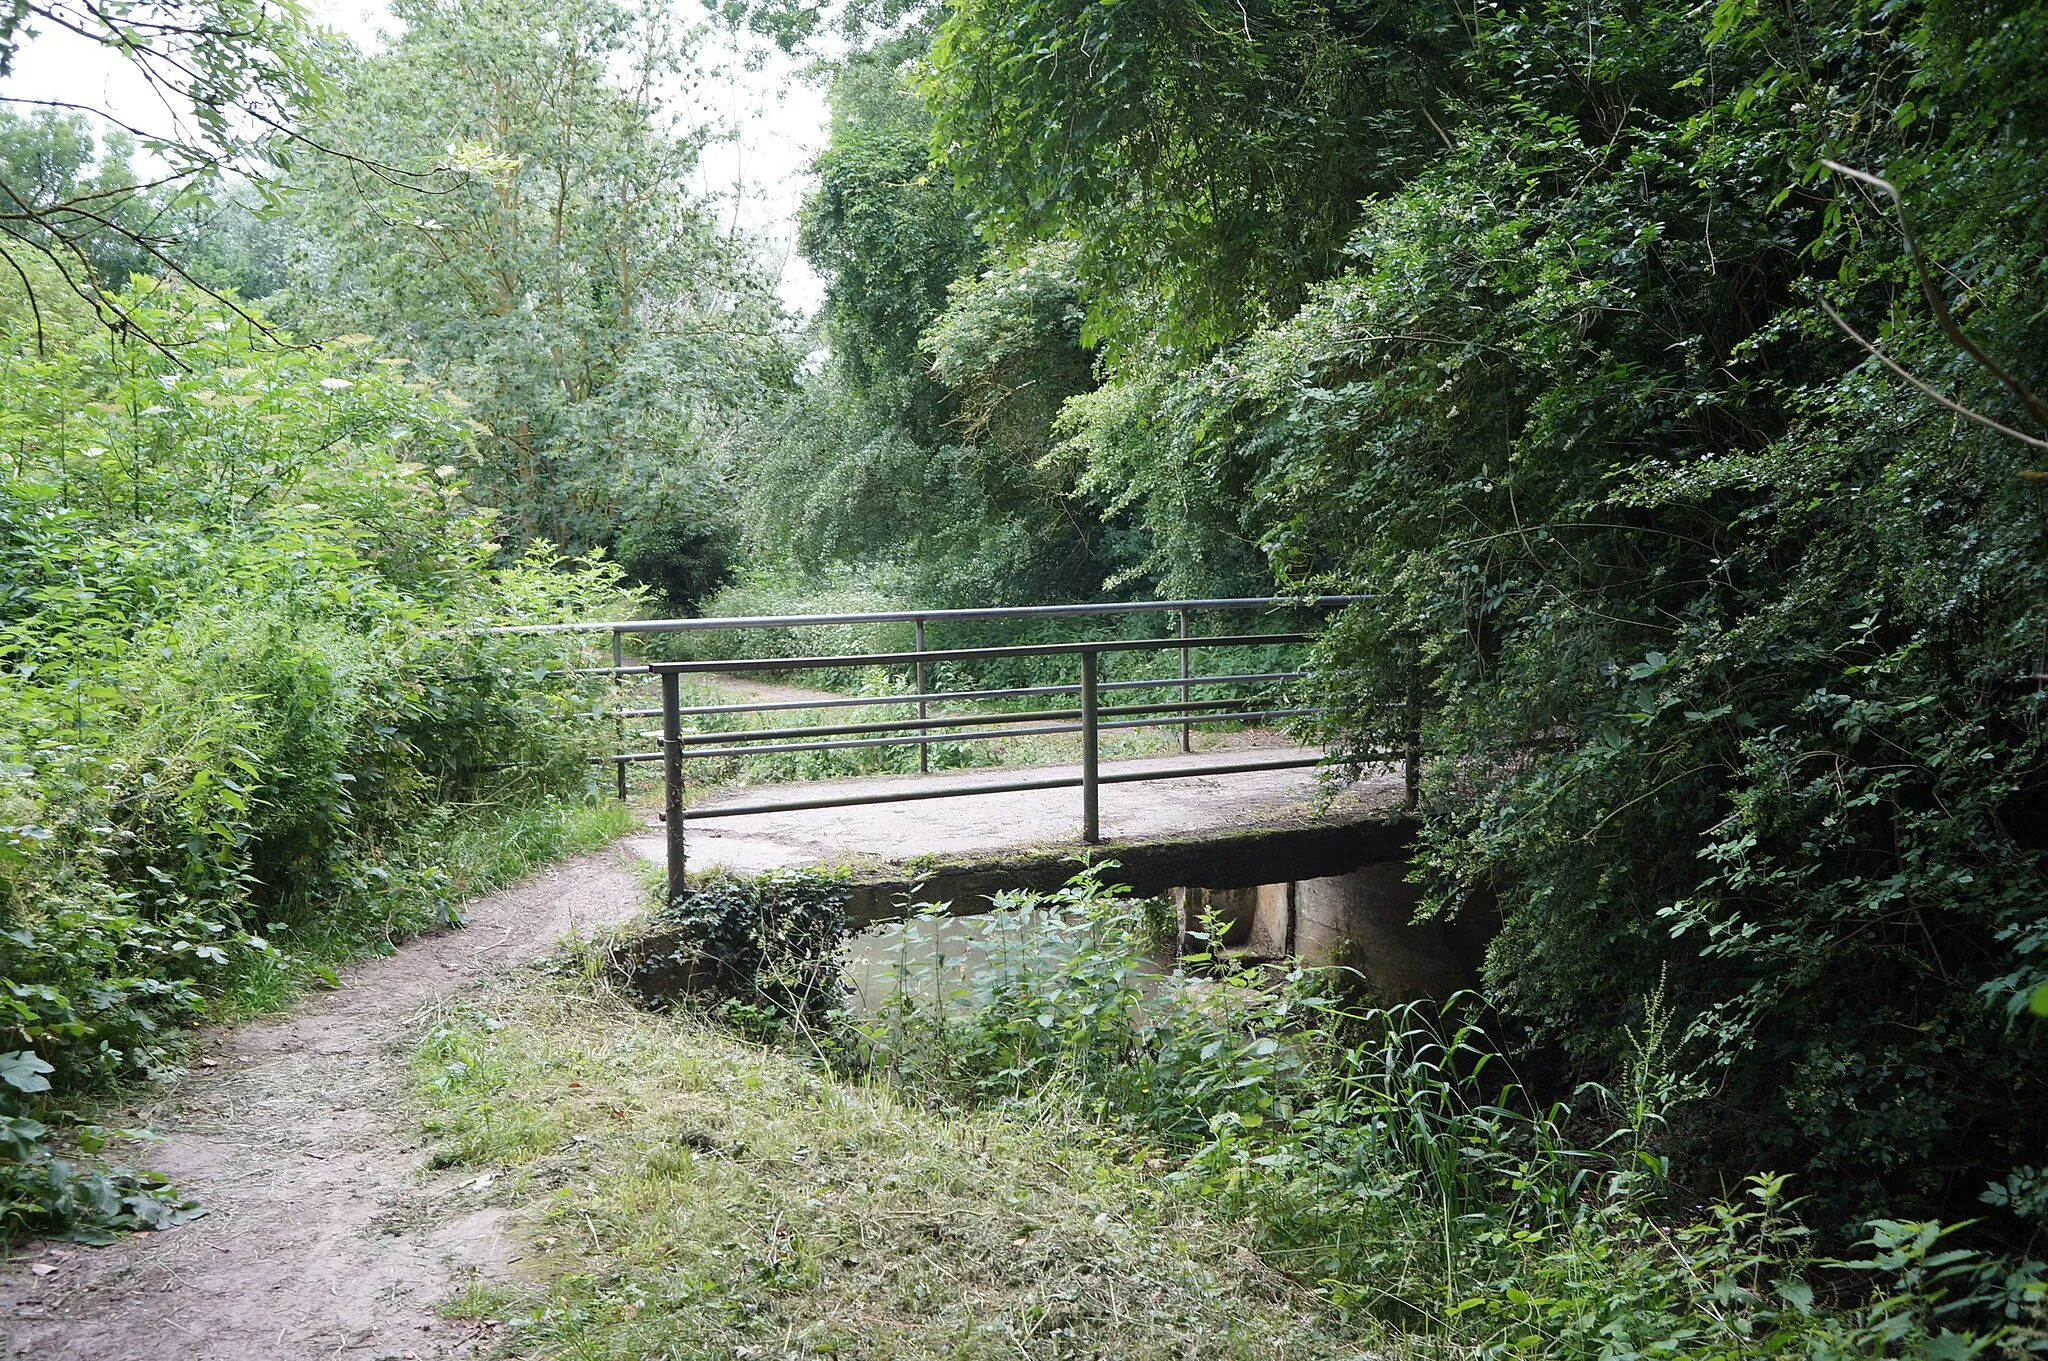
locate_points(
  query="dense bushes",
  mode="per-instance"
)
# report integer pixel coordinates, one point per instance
(767, 948)
(1392, 1158)
(238, 681)
(1725, 640)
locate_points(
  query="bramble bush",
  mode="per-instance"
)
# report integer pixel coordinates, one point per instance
(241, 694)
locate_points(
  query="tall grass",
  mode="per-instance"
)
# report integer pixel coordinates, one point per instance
(1391, 1160)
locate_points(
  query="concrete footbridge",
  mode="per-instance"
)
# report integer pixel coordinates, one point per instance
(1239, 821)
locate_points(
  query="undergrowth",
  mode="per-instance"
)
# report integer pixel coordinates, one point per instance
(1271, 1167)
(1391, 1159)
(249, 725)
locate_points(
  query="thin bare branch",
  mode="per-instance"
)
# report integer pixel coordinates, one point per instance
(2036, 407)
(35, 308)
(200, 145)
(1923, 385)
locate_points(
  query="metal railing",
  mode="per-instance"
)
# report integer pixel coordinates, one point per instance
(936, 616)
(1089, 717)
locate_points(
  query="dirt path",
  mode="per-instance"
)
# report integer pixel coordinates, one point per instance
(742, 691)
(326, 1234)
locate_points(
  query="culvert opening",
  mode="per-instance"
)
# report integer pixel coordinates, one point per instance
(1361, 921)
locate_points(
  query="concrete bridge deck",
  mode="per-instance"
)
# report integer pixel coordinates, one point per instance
(1236, 830)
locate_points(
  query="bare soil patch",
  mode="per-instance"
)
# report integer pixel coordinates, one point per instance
(327, 1234)
(744, 691)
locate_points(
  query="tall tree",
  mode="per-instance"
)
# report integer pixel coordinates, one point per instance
(1209, 155)
(889, 234)
(921, 445)
(546, 259)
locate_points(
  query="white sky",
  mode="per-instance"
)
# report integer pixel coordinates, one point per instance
(757, 173)
(776, 123)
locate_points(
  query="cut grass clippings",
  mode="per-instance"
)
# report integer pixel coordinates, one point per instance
(690, 1195)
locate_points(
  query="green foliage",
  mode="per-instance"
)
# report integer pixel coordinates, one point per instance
(539, 250)
(1064, 1006)
(1007, 346)
(1208, 158)
(886, 230)
(920, 445)
(1722, 640)
(219, 84)
(240, 691)
(86, 1204)
(1389, 1158)
(72, 193)
(768, 945)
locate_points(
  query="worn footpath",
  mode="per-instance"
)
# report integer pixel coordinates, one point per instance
(326, 1233)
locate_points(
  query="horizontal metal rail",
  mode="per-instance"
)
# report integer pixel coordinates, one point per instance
(782, 621)
(881, 701)
(951, 654)
(938, 723)
(979, 735)
(973, 654)
(1006, 787)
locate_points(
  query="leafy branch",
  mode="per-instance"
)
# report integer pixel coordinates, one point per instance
(1938, 305)
(231, 76)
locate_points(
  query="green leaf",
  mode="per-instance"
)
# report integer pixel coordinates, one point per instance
(25, 1071)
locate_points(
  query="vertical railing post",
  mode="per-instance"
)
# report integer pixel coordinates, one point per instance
(672, 779)
(1186, 728)
(1091, 812)
(619, 703)
(1411, 755)
(924, 750)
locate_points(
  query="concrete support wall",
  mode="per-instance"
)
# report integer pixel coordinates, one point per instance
(1227, 912)
(1363, 920)
(1366, 920)
(1257, 923)
(1273, 922)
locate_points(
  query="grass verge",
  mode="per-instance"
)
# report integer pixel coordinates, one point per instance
(689, 1195)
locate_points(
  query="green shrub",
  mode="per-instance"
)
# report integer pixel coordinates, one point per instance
(767, 948)
(241, 688)
(1391, 1158)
